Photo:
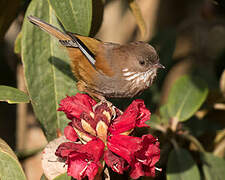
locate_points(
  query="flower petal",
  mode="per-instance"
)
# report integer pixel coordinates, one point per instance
(82, 159)
(134, 116)
(74, 106)
(116, 163)
(146, 158)
(141, 153)
(124, 146)
(66, 148)
(79, 166)
(70, 133)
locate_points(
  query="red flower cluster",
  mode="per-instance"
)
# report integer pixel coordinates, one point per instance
(103, 133)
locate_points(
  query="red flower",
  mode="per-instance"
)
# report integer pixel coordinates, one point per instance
(82, 159)
(74, 106)
(70, 133)
(102, 126)
(134, 116)
(141, 153)
(114, 161)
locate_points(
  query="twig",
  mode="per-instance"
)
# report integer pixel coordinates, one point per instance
(194, 140)
(175, 145)
(219, 148)
(161, 128)
(138, 16)
(174, 122)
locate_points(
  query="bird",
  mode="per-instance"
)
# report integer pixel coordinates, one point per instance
(106, 69)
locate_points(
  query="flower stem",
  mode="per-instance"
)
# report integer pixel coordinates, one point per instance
(174, 122)
(139, 17)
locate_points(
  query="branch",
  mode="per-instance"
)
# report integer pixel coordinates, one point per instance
(194, 141)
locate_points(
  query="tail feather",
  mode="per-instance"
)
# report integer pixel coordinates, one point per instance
(48, 28)
(67, 39)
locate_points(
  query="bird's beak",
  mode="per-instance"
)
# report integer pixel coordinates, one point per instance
(158, 65)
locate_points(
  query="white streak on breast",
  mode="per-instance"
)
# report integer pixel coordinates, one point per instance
(125, 69)
(139, 79)
(128, 73)
(132, 76)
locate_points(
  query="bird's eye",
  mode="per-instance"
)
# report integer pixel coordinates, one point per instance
(142, 62)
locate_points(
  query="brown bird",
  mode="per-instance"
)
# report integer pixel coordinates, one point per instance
(106, 69)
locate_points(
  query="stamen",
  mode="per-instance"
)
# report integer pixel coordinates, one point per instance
(140, 160)
(81, 173)
(158, 169)
(115, 167)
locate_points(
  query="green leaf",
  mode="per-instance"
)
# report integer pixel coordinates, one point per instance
(10, 167)
(13, 95)
(47, 70)
(17, 46)
(164, 113)
(63, 177)
(213, 166)
(75, 15)
(181, 166)
(186, 97)
(154, 121)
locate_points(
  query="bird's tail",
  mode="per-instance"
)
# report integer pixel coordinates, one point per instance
(49, 28)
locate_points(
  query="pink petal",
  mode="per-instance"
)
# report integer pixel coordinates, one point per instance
(116, 163)
(134, 116)
(70, 133)
(74, 106)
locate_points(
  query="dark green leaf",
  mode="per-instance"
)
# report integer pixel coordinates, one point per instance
(186, 97)
(213, 167)
(8, 12)
(10, 168)
(198, 127)
(13, 95)
(97, 16)
(181, 166)
(164, 42)
(47, 70)
(75, 15)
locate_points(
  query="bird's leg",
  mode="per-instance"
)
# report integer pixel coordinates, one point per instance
(81, 86)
